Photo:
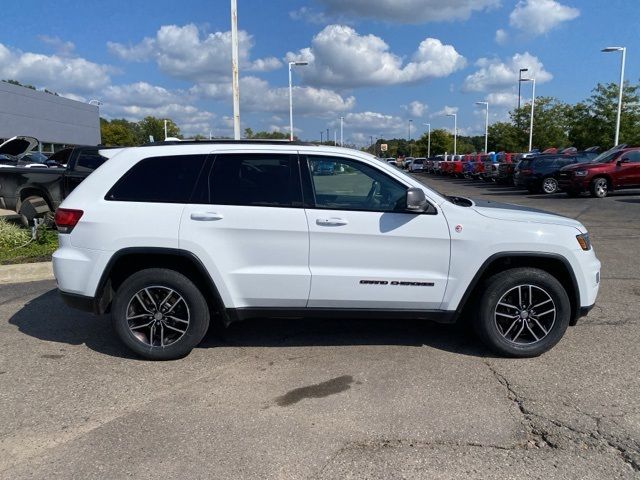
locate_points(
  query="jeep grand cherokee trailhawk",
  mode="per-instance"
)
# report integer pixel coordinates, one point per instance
(167, 237)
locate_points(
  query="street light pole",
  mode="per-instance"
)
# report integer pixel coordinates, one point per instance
(341, 131)
(410, 145)
(291, 64)
(455, 132)
(621, 89)
(429, 141)
(321, 133)
(533, 103)
(520, 83)
(235, 86)
(486, 126)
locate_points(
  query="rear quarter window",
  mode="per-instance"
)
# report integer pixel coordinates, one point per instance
(88, 161)
(169, 179)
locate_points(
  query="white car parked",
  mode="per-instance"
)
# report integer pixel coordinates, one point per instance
(163, 237)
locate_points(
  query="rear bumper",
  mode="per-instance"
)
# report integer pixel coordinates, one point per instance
(79, 302)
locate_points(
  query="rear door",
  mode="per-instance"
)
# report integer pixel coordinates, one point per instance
(247, 225)
(366, 251)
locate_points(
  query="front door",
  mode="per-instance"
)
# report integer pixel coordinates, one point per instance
(629, 170)
(366, 251)
(247, 225)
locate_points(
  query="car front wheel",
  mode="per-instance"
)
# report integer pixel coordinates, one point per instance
(550, 185)
(524, 312)
(599, 187)
(160, 314)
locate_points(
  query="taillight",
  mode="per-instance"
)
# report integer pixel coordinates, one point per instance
(66, 219)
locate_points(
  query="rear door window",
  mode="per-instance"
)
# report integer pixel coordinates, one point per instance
(169, 179)
(255, 179)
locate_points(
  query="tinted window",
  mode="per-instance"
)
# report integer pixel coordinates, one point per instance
(159, 179)
(88, 161)
(61, 156)
(633, 157)
(253, 180)
(342, 184)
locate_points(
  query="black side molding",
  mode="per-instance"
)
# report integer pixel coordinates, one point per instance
(437, 316)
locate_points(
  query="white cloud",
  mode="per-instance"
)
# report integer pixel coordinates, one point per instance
(309, 15)
(185, 52)
(501, 37)
(495, 75)
(371, 121)
(447, 110)
(341, 57)
(141, 94)
(54, 72)
(256, 95)
(409, 11)
(536, 17)
(60, 46)
(415, 109)
(502, 99)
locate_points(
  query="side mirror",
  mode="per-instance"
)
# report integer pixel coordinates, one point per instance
(622, 160)
(416, 200)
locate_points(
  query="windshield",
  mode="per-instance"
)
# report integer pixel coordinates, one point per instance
(607, 156)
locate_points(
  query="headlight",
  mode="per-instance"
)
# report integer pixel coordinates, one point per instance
(581, 173)
(584, 241)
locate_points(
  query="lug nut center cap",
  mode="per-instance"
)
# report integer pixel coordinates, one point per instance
(158, 316)
(524, 314)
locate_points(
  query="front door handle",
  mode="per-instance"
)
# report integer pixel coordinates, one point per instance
(331, 222)
(206, 216)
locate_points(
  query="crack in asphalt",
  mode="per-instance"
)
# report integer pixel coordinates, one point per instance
(544, 437)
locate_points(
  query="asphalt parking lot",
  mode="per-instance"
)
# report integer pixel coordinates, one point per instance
(332, 399)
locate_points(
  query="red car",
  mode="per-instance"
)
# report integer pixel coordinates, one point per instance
(615, 169)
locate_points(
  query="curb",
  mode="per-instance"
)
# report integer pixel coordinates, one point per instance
(26, 272)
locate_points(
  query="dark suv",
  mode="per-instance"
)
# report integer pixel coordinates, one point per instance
(538, 174)
(616, 169)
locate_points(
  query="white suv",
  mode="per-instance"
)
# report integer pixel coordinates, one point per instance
(168, 237)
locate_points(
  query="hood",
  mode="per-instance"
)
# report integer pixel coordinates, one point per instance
(18, 145)
(583, 166)
(518, 213)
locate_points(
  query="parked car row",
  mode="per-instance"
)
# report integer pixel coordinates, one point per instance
(550, 171)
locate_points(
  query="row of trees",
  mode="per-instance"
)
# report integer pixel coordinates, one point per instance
(123, 133)
(555, 124)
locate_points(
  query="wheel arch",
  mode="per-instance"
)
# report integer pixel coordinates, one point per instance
(552, 263)
(127, 261)
(33, 191)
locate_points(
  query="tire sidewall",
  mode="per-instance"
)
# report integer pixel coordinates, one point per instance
(198, 311)
(497, 286)
(594, 190)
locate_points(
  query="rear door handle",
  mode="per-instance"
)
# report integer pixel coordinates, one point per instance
(206, 216)
(331, 222)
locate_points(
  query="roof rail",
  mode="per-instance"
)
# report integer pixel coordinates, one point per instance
(260, 141)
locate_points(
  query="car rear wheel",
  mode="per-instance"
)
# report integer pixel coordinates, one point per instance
(599, 187)
(160, 314)
(524, 312)
(550, 185)
(35, 207)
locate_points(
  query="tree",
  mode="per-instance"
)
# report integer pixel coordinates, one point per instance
(504, 137)
(594, 121)
(441, 141)
(550, 123)
(274, 135)
(152, 126)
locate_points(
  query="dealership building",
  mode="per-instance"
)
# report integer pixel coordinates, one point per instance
(55, 121)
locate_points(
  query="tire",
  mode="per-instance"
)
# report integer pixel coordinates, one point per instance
(517, 338)
(35, 207)
(550, 185)
(599, 187)
(173, 342)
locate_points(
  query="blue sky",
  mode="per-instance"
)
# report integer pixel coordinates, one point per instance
(378, 63)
